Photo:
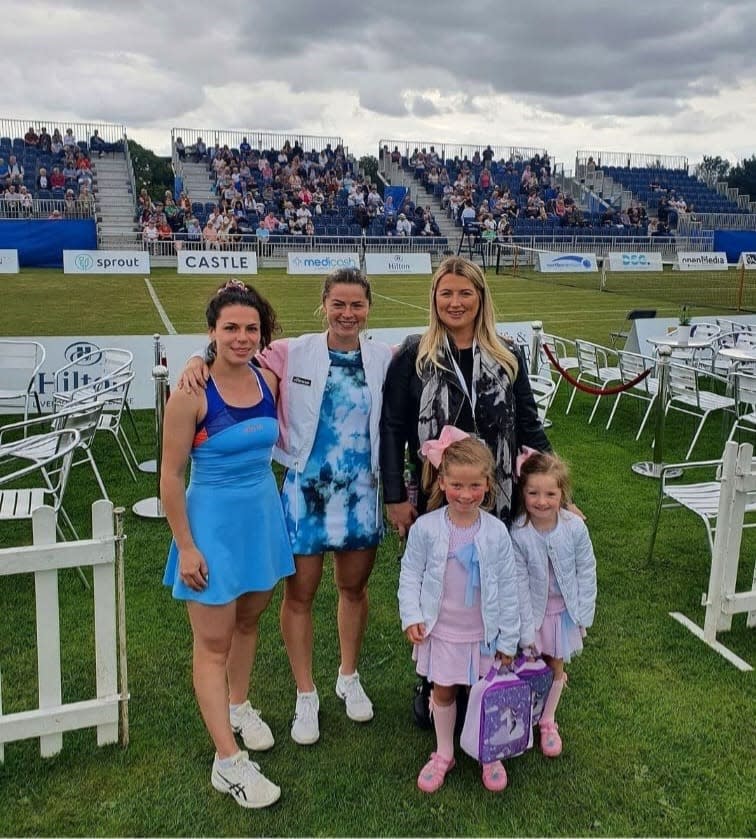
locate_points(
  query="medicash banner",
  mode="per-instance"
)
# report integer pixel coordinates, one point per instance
(231, 263)
(398, 263)
(553, 263)
(319, 262)
(635, 261)
(106, 262)
(701, 261)
(8, 262)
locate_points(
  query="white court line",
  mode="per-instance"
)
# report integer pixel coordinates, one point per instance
(170, 328)
(402, 302)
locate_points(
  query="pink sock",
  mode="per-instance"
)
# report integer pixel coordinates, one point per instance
(444, 717)
(552, 700)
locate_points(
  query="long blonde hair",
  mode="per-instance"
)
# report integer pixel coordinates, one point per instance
(467, 452)
(433, 341)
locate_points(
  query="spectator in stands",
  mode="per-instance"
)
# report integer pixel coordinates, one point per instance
(244, 147)
(57, 179)
(45, 141)
(193, 229)
(85, 200)
(185, 204)
(84, 178)
(180, 148)
(200, 150)
(12, 201)
(590, 166)
(43, 182)
(55, 215)
(165, 234)
(102, 147)
(69, 139)
(144, 201)
(70, 173)
(174, 216)
(25, 201)
(70, 208)
(396, 155)
(374, 202)
(403, 226)
(31, 138)
(484, 181)
(468, 213)
(487, 156)
(504, 229)
(4, 173)
(56, 145)
(150, 235)
(15, 170)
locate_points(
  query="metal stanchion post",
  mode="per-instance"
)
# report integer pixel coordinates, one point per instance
(151, 508)
(123, 673)
(151, 465)
(652, 469)
(535, 357)
(535, 347)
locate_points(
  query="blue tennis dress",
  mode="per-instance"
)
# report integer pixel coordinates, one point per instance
(333, 504)
(232, 502)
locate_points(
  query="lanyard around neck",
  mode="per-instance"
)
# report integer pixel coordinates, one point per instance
(471, 397)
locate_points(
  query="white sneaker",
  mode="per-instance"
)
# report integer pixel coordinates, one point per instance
(358, 707)
(304, 727)
(244, 782)
(256, 734)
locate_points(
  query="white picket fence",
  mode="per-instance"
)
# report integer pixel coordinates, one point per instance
(738, 480)
(44, 558)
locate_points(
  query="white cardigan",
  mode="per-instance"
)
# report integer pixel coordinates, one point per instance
(421, 579)
(569, 548)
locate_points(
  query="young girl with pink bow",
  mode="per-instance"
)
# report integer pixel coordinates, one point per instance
(457, 589)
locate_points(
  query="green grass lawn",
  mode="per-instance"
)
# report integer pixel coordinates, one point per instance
(659, 730)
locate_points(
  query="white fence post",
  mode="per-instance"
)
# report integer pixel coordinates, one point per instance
(44, 558)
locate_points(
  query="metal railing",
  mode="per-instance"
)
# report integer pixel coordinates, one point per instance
(259, 140)
(715, 221)
(130, 170)
(108, 131)
(448, 150)
(43, 208)
(628, 159)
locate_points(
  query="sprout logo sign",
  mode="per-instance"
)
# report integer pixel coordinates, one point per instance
(320, 263)
(397, 263)
(106, 262)
(553, 263)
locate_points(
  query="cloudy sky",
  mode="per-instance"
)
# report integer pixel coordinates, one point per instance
(674, 77)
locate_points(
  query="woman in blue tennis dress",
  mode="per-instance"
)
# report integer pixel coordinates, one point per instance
(230, 546)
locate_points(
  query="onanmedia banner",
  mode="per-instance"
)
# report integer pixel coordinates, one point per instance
(701, 261)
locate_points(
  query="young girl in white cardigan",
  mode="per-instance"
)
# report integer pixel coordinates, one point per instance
(458, 590)
(556, 572)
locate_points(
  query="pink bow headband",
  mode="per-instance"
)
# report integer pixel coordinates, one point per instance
(433, 450)
(525, 453)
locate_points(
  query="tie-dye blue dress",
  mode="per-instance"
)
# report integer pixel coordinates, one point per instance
(333, 504)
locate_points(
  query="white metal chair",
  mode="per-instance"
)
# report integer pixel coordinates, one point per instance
(632, 365)
(83, 417)
(594, 369)
(745, 402)
(687, 397)
(700, 497)
(543, 392)
(565, 353)
(20, 361)
(113, 398)
(721, 364)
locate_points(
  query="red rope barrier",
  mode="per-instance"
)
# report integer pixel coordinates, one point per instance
(594, 391)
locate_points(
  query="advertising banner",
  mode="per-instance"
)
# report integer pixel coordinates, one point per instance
(217, 262)
(317, 262)
(635, 261)
(701, 261)
(8, 262)
(398, 263)
(553, 263)
(106, 262)
(747, 260)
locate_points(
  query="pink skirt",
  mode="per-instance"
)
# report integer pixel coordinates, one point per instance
(559, 636)
(450, 662)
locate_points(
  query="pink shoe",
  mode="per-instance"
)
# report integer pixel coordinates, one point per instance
(551, 742)
(494, 776)
(432, 775)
